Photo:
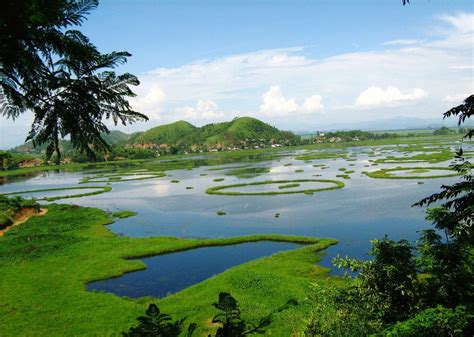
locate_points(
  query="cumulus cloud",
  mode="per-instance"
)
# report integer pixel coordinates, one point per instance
(276, 104)
(204, 110)
(391, 96)
(149, 100)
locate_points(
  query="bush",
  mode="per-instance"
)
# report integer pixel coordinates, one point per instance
(439, 321)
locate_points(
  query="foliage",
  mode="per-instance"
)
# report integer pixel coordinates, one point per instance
(57, 73)
(231, 321)
(11, 160)
(435, 322)
(457, 217)
(328, 312)
(387, 285)
(9, 207)
(157, 324)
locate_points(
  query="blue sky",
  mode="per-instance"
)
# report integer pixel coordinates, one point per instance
(298, 65)
(173, 33)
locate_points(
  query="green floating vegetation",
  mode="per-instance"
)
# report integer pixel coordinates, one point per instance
(435, 157)
(189, 187)
(248, 172)
(221, 212)
(277, 215)
(227, 168)
(289, 186)
(299, 170)
(342, 169)
(174, 181)
(321, 155)
(121, 176)
(123, 214)
(217, 190)
(98, 190)
(219, 179)
(288, 164)
(319, 165)
(386, 173)
(70, 246)
(343, 176)
(203, 174)
(420, 182)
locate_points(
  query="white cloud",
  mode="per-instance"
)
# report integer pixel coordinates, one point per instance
(312, 104)
(456, 98)
(275, 103)
(205, 110)
(391, 96)
(400, 42)
(149, 99)
(462, 22)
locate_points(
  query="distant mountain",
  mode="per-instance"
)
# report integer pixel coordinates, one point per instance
(240, 132)
(397, 123)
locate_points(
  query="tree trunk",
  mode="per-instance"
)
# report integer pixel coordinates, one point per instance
(57, 150)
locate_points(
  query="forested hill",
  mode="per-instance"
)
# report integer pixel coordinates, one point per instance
(238, 133)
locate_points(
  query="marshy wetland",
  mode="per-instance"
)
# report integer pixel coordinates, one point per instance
(250, 222)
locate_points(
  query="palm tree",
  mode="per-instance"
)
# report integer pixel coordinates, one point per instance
(55, 72)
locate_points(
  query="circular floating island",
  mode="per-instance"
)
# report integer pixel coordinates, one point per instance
(119, 177)
(413, 173)
(93, 191)
(306, 186)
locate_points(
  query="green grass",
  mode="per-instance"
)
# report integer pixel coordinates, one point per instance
(288, 186)
(218, 189)
(436, 157)
(99, 190)
(123, 214)
(321, 155)
(386, 173)
(47, 261)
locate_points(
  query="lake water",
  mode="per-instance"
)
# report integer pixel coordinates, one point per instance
(162, 276)
(365, 209)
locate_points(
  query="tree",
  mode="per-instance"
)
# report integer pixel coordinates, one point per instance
(232, 324)
(158, 324)
(58, 74)
(457, 218)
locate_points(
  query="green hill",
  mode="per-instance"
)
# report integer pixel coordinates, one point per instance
(240, 132)
(164, 134)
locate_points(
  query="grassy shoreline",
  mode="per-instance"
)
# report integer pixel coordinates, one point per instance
(241, 154)
(47, 261)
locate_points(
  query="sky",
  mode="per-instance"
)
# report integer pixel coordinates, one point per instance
(298, 65)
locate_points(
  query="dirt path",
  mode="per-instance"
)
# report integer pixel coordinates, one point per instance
(23, 216)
